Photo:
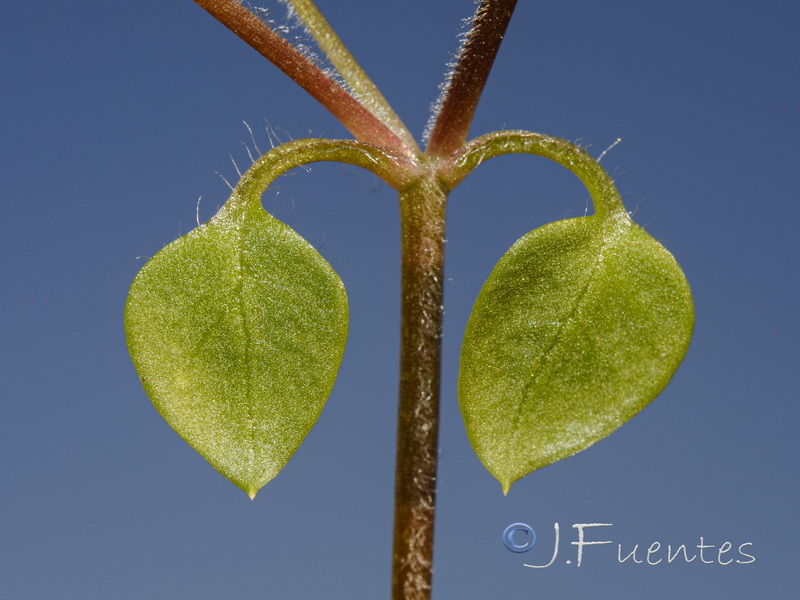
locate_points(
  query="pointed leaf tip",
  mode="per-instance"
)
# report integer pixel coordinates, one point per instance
(579, 326)
(237, 330)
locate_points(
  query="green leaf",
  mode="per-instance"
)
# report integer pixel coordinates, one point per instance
(237, 331)
(580, 325)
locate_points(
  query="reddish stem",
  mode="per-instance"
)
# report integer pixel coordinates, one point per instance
(358, 120)
(469, 77)
(422, 213)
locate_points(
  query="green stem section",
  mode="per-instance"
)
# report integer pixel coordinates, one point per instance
(422, 210)
(605, 196)
(362, 86)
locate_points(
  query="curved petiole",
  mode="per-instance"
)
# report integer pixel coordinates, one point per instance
(393, 169)
(601, 187)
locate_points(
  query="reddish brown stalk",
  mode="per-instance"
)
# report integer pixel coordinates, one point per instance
(471, 72)
(422, 209)
(358, 120)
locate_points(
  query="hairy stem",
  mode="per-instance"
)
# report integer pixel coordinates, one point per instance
(475, 59)
(422, 208)
(362, 86)
(365, 126)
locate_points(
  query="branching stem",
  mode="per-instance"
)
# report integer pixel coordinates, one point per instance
(365, 126)
(365, 90)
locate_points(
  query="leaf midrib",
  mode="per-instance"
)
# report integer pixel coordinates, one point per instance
(567, 321)
(239, 291)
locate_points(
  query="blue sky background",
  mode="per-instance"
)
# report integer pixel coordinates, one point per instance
(116, 116)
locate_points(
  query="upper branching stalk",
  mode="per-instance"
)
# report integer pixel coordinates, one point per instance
(347, 66)
(461, 93)
(365, 126)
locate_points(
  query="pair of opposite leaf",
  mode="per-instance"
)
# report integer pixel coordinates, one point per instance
(237, 331)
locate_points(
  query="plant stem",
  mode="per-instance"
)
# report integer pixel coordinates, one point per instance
(463, 90)
(356, 118)
(422, 210)
(362, 86)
